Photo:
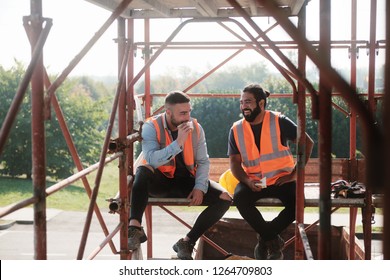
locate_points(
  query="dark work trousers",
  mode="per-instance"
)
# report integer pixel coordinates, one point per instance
(147, 183)
(245, 199)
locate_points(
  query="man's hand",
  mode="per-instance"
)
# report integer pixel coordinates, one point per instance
(254, 185)
(195, 197)
(183, 130)
(288, 178)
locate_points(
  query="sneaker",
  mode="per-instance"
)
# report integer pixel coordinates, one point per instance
(275, 247)
(261, 250)
(136, 236)
(183, 249)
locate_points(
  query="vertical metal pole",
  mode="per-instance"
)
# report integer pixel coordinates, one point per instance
(130, 92)
(122, 125)
(148, 101)
(371, 61)
(38, 139)
(148, 105)
(130, 111)
(300, 193)
(367, 213)
(386, 124)
(103, 154)
(352, 123)
(352, 126)
(325, 138)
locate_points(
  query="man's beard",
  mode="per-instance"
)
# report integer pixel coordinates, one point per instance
(252, 116)
(175, 123)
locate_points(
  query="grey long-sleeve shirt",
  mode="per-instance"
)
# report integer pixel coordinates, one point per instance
(157, 156)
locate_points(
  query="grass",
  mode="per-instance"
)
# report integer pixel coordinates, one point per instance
(71, 198)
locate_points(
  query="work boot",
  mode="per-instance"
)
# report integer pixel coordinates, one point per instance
(275, 247)
(183, 249)
(261, 250)
(136, 236)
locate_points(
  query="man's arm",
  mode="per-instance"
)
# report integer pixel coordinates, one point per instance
(240, 174)
(236, 161)
(154, 155)
(203, 163)
(236, 168)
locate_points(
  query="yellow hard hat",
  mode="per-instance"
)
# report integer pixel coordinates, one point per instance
(228, 181)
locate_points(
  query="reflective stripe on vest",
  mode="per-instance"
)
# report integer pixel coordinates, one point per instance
(274, 160)
(189, 149)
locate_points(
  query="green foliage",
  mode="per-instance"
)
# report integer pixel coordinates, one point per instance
(16, 157)
(85, 119)
(82, 102)
(216, 116)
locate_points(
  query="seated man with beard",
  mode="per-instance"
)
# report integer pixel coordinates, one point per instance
(261, 160)
(176, 165)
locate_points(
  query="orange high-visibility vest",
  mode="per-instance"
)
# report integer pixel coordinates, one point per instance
(164, 139)
(274, 160)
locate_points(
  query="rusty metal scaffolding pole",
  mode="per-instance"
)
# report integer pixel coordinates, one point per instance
(125, 196)
(69, 141)
(122, 127)
(325, 138)
(148, 100)
(21, 91)
(386, 124)
(148, 106)
(301, 144)
(352, 125)
(38, 138)
(367, 211)
(71, 146)
(103, 154)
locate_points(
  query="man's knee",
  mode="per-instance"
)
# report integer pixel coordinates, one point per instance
(225, 203)
(144, 170)
(241, 195)
(143, 176)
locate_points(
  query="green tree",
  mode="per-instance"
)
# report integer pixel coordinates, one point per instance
(216, 115)
(85, 119)
(15, 159)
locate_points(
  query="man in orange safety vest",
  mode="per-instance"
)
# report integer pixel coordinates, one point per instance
(176, 164)
(261, 160)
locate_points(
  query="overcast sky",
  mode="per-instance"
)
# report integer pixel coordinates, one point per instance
(75, 22)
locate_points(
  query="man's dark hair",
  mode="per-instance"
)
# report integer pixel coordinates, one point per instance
(176, 97)
(258, 92)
